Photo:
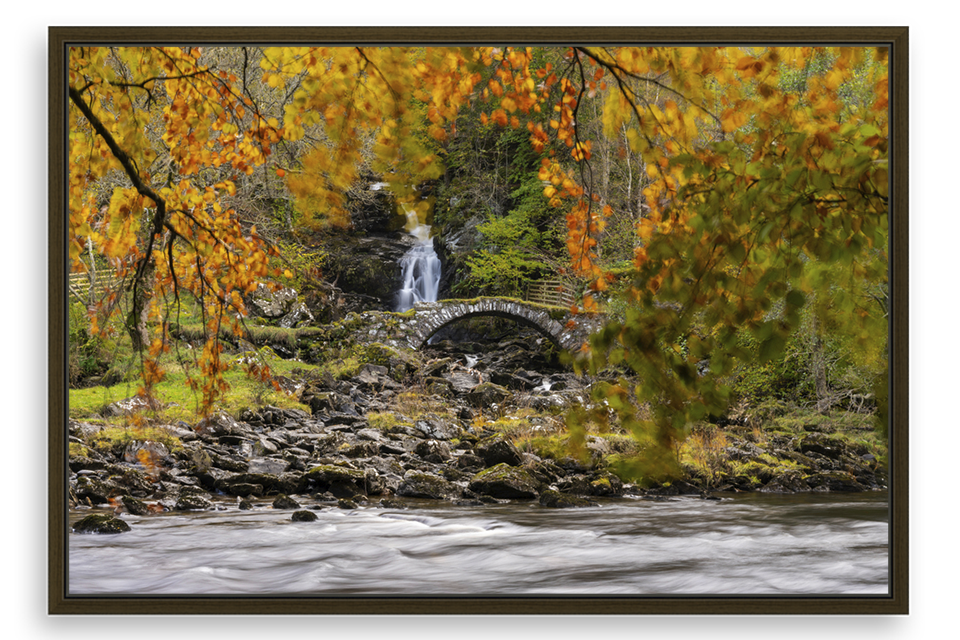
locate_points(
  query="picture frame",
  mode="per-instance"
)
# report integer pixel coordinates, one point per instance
(896, 34)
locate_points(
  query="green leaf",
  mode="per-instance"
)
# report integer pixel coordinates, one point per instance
(771, 348)
(795, 298)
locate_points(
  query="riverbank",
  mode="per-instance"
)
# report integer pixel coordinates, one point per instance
(463, 422)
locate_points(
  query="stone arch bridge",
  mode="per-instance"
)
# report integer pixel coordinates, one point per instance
(414, 328)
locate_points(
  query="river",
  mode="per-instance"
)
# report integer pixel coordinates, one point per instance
(747, 544)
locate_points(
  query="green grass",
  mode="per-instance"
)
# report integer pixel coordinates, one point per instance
(180, 402)
(110, 437)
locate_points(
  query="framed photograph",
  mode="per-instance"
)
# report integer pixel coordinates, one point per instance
(478, 320)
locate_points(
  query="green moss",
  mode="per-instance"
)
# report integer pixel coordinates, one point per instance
(101, 523)
(110, 437)
(383, 420)
(77, 450)
(554, 447)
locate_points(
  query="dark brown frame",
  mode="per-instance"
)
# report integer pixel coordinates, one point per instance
(895, 602)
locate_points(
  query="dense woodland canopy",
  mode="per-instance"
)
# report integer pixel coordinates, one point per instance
(727, 207)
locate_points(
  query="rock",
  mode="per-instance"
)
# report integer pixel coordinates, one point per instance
(129, 406)
(487, 394)
(284, 501)
(375, 377)
(367, 265)
(556, 500)
(297, 316)
(433, 451)
(834, 481)
(462, 382)
(470, 462)
(303, 516)
(791, 481)
(496, 450)
(342, 482)
(504, 481)
(346, 503)
(822, 444)
(577, 484)
(100, 523)
(437, 430)
(192, 503)
(607, 484)
(271, 304)
(95, 490)
(271, 466)
(245, 489)
(675, 488)
(283, 483)
(220, 424)
(135, 507)
(420, 484)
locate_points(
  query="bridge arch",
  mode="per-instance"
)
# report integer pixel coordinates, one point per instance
(433, 316)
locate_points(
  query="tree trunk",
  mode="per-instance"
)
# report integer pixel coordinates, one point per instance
(818, 368)
(136, 323)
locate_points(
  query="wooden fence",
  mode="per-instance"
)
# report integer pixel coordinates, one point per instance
(553, 292)
(80, 285)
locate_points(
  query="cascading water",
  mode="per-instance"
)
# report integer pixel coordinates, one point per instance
(420, 265)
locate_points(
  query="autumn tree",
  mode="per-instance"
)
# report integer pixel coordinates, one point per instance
(169, 128)
(743, 225)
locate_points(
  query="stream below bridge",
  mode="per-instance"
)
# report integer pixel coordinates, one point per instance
(744, 544)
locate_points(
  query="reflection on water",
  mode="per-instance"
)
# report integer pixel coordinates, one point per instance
(762, 544)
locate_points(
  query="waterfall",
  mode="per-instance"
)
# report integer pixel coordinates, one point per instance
(420, 265)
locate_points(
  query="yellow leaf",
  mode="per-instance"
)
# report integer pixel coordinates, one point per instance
(733, 119)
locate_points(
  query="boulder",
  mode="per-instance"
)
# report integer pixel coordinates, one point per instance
(100, 523)
(303, 516)
(192, 503)
(505, 481)
(284, 501)
(496, 450)
(420, 484)
(437, 430)
(342, 482)
(487, 394)
(266, 303)
(433, 450)
(556, 500)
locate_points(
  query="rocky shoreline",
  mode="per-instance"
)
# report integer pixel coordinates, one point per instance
(365, 443)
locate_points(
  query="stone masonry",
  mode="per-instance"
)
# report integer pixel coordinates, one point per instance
(412, 330)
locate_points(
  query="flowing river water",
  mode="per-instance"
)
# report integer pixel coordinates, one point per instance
(745, 544)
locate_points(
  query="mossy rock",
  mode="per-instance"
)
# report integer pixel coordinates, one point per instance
(504, 481)
(303, 516)
(606, 484)
(420, 484)
(486, 394)
(342, 482)
(192, 503)
(556, 500)
(101, 523)
(271, 483)
(497, 449)
(134, 506)
(834, 481)
(284, 501)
